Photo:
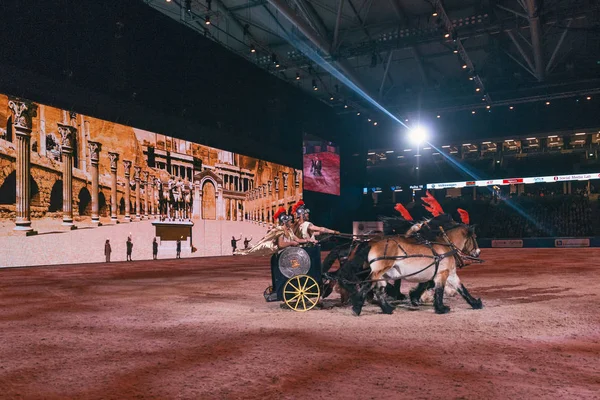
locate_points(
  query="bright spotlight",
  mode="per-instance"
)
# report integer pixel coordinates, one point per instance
(418, 135)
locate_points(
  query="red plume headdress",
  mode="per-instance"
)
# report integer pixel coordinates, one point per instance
(432, 205)
(402, 210)
(299, 204)
(279, 212)
(464, 216)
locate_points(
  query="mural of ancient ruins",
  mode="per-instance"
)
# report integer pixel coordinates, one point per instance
(60, 165)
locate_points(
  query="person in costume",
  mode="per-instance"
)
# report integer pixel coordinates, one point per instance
(303, 228)
(278, 238)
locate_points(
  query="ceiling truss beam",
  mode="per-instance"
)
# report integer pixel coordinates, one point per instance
(439, 7)
(536, 37)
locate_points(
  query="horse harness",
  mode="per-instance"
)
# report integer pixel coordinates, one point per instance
(437, 257)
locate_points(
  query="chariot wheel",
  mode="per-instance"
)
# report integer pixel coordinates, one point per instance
(301, 293)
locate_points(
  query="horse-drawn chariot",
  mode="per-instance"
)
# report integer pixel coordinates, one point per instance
(296, 277)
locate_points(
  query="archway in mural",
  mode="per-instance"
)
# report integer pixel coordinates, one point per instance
(34, 190)
(122, 206)
(85, 202)
(9, 130)
(8, 190)
(56, 197)
(102, 206)
(209, 201)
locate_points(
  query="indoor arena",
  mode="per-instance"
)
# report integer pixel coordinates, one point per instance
(290, 199)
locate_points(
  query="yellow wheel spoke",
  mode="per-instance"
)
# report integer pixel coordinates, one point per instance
(310, 287)
(301, 293)
(305, 283)
(294, 298)
(292, 285)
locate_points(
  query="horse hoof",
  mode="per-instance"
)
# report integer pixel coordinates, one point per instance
(442, 310)
(477, 304)
(356, 311)
(388, 310)
(415, 302)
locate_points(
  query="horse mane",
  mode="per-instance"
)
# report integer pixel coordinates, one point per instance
(429, 229)
(394, 225)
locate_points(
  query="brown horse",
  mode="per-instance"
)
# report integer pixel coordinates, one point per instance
(431, 256)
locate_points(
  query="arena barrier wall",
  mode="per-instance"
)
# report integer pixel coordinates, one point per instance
(552, 242)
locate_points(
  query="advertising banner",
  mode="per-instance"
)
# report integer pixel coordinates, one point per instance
(507, 243)
(584, 242)
(366, 227)
(513, 181)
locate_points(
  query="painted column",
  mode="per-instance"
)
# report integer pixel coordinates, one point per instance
(67, 134)
(197, 201)
(285, 182)
(95, 148)
(136, 177)
(145, 182)
(150, 188)
(42, 148)
(127, 166)
(114, 158)
(220, 203)
(22, 114)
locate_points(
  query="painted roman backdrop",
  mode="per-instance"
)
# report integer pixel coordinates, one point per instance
(225, 195)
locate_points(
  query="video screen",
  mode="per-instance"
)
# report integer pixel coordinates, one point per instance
(321, 165)
(76, 189)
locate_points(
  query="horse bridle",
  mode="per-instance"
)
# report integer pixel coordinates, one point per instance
(459, 255)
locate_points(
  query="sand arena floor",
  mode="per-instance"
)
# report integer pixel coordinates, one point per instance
(200, 329)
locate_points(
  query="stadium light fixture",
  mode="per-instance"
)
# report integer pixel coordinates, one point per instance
(418, 135)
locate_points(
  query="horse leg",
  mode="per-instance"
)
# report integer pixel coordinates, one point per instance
(358, 298)
(381, 298)
(438, 296)
(416, 293)
(476, 304)
(394, 292)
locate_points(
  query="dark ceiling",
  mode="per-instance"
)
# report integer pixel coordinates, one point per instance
(140, 60)
(419, 58)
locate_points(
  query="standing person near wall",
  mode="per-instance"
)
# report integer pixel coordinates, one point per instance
(179, 247)
(154, 249)
(234, 243)
(247, 243)
(129, 244)
(107, 250)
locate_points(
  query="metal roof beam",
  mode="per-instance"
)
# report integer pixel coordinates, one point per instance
(402, 17)
(536, 38)
(558, 45)
(336, 32)
(439, 7)
(321, 43)
(385, 74)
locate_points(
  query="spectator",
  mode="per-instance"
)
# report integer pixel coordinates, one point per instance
(129, 244)
(154, 249)
(107, 250)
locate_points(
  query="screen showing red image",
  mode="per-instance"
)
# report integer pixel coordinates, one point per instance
(321, 165)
